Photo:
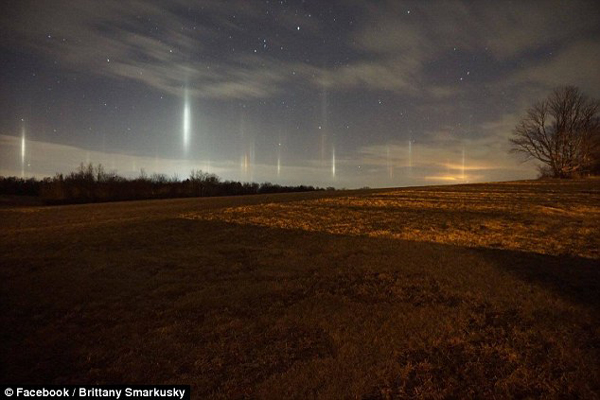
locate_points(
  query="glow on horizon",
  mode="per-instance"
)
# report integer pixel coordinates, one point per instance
(447, 178)
(51, 158)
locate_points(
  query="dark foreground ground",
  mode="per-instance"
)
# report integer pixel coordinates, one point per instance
(464, 291)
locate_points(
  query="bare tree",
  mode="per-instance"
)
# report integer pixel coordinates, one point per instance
(562, 132)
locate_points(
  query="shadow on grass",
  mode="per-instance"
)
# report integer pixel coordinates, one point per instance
(235, 309)
(576, 279)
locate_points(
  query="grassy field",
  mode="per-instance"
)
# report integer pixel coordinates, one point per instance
(488, 291)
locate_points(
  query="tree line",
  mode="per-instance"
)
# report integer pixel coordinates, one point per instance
(90, 183)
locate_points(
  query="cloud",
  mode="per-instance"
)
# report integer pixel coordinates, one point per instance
(510, 31)
(575, 64)
(393, 46)
(506, 29)
(415, 36)
(391, 75)
(160, 46)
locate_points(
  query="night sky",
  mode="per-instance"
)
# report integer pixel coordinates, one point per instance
(330, 93)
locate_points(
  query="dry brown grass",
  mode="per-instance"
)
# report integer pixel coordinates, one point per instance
(537, 217)
(133, 292)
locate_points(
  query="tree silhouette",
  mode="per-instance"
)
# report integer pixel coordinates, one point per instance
(562, 132)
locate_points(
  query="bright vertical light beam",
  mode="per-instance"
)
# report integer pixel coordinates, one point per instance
(186, 122)
(324, 124)
(333, 163)
(410, 154)
(278, 167)
(390, 165)
(23, 152)
(463, 164)
(279, 160)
